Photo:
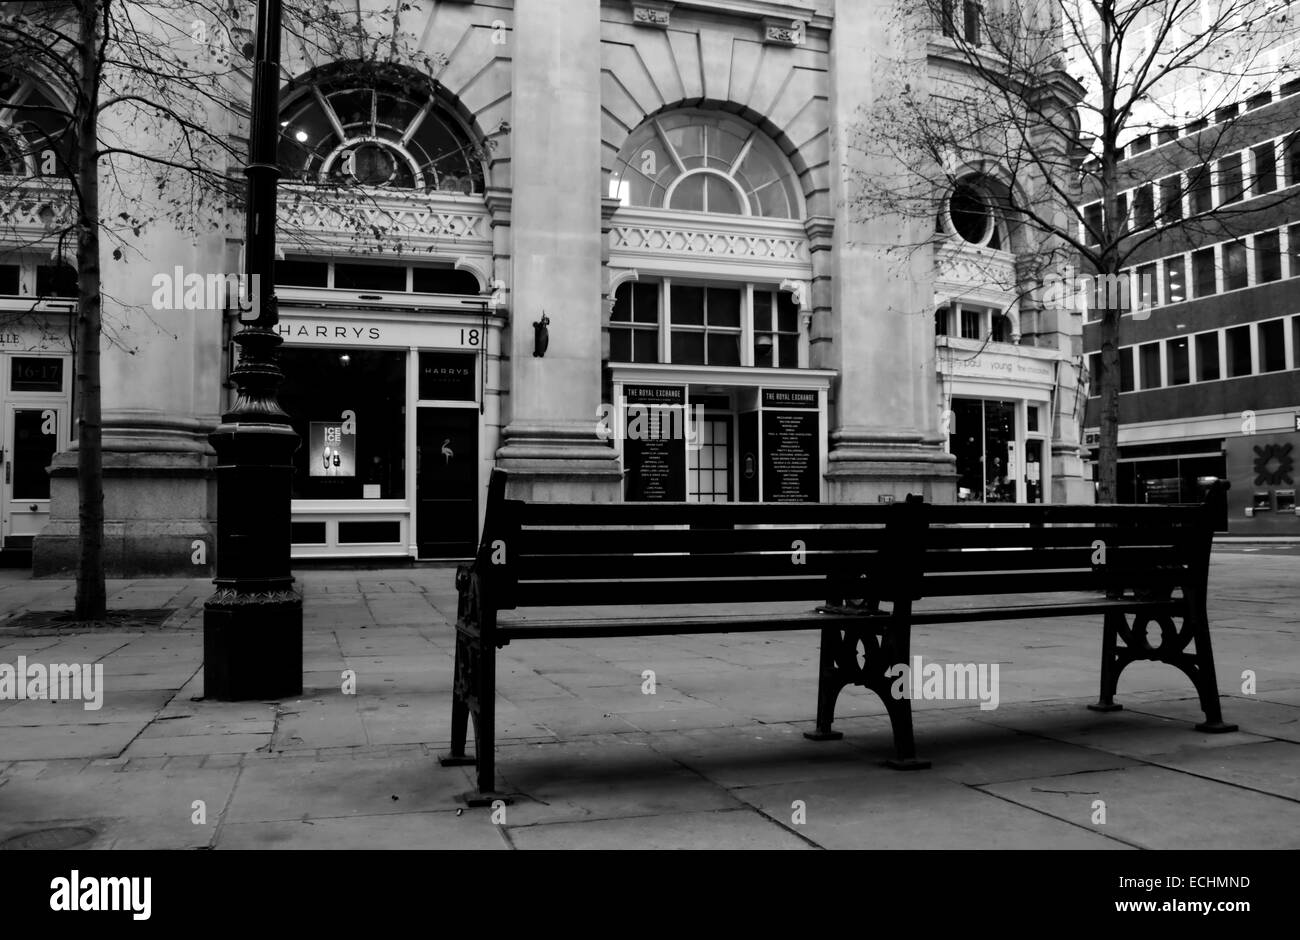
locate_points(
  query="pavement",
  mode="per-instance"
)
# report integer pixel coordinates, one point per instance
(715, 758)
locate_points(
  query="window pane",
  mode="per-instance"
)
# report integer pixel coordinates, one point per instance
(1175, 280)
(688, 305)
(1171, 198)
(1094, 375)
(1207, 357)
(1265, 169)
(1149, 356)
(1177, 366)
(1126, 369)
(1148, 293)
(1092, 224)
(941, 322)
(321, 384)
(1272, 349)
(789, 352)
(1203, 271)
(385, 277)
(1293, 234)
(1198, 185)
(688, 347)
(620, 345)
(970, 324)
(434, 280)
(1143, 207)
(56, 281)
(1234, 266)
(645, 303)
(787, 314)
(1268, 257)
(1293, 159)
(1230, 181)
(689, 195)
(722, 197)
(645, 345)
(724, 349)
(724, 307)
(293, 273)
(762, 311)
(622, 312)
(765, 350)
(1238, 351)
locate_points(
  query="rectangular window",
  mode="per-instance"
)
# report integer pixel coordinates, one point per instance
(1231, 184)
(1177, 365)
(1094, 375)
(970, 323)
(1092, 224)
(1200, 195)
(634, 323)
(1121, 214)
(1238, 339)
(1265, 169)
(1234, 266)
(776, 344)
(1171, 199)
(1268, 257)
(1203, 272)
(1272, 346)
(946, 20)
(344, 460)
(706, 325)
(1292, 150)
(941, 322)
(1126, 369)
(1258, 101)
(1293, 236)
(9, 280)
(370, 277)
(1147, 287)
(1144, 210)
(1149, 362)
(1207, 357)
(293, 272)
(56, 281)
(1175, 280)
(973, 9)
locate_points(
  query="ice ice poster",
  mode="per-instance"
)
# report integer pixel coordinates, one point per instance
(331, 452)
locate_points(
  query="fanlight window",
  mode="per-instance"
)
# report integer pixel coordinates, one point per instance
(379, 134)
(32, 129)
(699, 162)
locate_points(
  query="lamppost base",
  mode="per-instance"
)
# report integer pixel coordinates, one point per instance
(252, 647)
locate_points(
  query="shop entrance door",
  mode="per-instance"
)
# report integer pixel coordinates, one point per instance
(708, 469)
(29, 438)
(447, 465)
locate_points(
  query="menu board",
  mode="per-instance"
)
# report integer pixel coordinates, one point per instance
(654, 445)
(790, 457)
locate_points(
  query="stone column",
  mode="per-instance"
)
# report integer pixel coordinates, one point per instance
(550, 443)
(885, 437)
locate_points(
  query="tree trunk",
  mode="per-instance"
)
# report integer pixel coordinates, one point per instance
(92, 599)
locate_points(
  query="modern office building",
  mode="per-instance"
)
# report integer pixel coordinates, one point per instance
(1210, 352)
(622, 249)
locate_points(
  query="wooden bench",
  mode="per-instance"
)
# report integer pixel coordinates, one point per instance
(543, 568)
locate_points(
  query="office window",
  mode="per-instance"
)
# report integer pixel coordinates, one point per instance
(1295, 342)
(972, 10)
(941, 322)
(1175, 280)
(1144, 211)
(1121, 214)
(1092, 224)
(634, 323)
(1268, 257)
(1207, 357)
(56, 280)
(1171, 199)
(1126, 369)
(1000, 332)
(1265, 180)
(1203, 272)
(1094, 373)
(706, 325)
(1149, 363)
(1238, 339)
(776, 329)
(1199, 192)
(1292, 149)
(1293, 236)
(1272, 346)
(1234, 266)
(1259, 100)
(1231, 184)
(970, 323)
(1177, 364)
(1147, 289)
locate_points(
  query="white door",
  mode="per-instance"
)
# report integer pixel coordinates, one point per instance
(30, 435)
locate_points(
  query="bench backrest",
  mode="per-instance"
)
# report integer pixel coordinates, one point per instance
(616, 554)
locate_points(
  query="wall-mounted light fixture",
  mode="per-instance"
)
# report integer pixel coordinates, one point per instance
(541, 335)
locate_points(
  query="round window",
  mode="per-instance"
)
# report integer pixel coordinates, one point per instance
(971, 216)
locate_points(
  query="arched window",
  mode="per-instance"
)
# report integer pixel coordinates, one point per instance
(970, 212)
(697, 161)
(379, 132)
(32, 129)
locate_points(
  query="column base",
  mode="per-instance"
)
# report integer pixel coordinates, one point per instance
(865, 466)
(559, 463)
(159, 511)
(252, 647)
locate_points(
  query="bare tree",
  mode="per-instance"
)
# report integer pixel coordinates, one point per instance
(1054, 95)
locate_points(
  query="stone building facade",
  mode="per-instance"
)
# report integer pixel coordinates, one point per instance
(621, 249)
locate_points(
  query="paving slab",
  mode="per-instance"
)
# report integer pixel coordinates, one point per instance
(412, 831)
(722, 829)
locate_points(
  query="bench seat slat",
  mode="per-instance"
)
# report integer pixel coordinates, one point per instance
(582, 627)
(1056, 537)
(556, 541)
(704, 514)
(1032, 611)
(607, 566)
(670, 591)
(1142, 514)
(1030, 559)
(1043, 582)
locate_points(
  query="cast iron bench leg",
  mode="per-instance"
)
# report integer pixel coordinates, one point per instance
(1110, 665)
(459, 713)
(896, 648)
(1206, 681)
(830, 682)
